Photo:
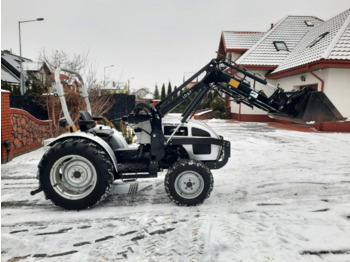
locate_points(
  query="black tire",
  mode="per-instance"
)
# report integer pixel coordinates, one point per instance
(188, 182)
(75, 174)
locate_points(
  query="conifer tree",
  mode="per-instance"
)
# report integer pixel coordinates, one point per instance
(156, 93)
(163, 94)
(210, 96)
(169, 89)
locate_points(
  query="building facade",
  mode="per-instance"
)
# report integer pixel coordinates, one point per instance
(296, 52)
(37, 76)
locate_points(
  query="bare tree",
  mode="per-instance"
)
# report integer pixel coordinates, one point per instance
(77, 62)
(59, 58)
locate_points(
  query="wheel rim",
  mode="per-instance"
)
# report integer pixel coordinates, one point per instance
(73, 177)
(189, 184)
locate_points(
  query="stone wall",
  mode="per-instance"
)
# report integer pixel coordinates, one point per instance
(20, 131)
(27, 131)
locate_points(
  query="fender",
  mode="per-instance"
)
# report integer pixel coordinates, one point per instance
(91, 137)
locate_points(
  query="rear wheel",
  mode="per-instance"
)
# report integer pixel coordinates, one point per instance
(188, 182)
(75, 174)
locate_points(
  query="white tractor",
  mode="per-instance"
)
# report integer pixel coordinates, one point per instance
(78, 169)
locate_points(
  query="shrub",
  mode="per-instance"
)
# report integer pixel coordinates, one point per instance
(106, 122)
(218, 106)
(217, 114)
(224, 115)
(126, 132)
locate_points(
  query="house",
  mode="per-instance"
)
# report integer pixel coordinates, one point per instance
(148, 98)
(69, 82)
(117, 90)
(298, 51)
(10, 69)
(35, 74)
(235, 43)
(141, 93)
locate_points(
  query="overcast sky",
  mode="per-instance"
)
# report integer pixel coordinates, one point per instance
(149, 41)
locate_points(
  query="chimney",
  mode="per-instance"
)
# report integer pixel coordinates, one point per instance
(6, 51)
(271, 26)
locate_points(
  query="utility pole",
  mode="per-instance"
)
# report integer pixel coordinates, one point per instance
(20, 51)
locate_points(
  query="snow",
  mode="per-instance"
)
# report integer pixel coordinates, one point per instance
(283, 196)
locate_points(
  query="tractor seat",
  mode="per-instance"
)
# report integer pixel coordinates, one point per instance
(86, 121)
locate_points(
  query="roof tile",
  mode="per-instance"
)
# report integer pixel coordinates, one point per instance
(290, 30)
(334, 45)
(241, 40)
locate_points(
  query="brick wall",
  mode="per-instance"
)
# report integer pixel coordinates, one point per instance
(5, 125)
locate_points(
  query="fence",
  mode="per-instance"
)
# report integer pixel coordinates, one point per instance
(122, 105)
(31, 104)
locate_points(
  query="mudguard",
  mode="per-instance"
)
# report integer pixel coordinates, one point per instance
(91, 137)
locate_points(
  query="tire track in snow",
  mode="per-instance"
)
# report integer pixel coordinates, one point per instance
(271, 240)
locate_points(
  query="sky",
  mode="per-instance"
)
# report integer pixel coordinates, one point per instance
(147, 42)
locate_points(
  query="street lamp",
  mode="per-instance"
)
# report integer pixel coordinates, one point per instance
(104, 75)
(129, 89)
(20, 50)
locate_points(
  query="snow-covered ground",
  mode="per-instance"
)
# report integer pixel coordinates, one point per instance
(283, 196)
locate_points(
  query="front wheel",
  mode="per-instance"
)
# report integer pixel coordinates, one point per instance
(188, 182)
(75, 174)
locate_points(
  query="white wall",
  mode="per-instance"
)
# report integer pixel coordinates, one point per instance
(233, 56)
(337, 89)
(294, 82)
(336, 86)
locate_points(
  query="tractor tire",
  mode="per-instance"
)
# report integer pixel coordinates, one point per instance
(76, 174)
(188, 182)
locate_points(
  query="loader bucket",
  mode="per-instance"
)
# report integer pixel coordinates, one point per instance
(309, 106)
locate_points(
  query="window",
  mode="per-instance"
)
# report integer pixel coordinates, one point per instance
(204, 149)
(309, 23)
(314, 86)
(182, 131)
(199, 132)
(318, 39)
(229, 57)
(280, 46)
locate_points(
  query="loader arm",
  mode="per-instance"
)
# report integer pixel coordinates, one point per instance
(300, 106)
(303, 106)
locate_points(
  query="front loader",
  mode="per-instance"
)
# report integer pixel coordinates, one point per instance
(80, 166)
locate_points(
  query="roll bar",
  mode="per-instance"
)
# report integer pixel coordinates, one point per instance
(58, 91)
